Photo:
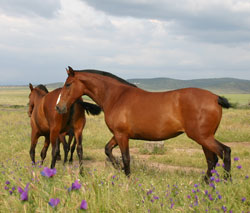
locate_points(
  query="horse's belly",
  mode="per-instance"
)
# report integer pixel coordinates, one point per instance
(156, 131)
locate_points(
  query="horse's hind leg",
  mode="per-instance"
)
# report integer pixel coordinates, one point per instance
(45, 148)
(212, 160)
(223, 151)
(108, 151)
(226, 156)
(122, 141)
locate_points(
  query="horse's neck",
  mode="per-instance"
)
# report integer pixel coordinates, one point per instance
(102, 91)
(38, 97)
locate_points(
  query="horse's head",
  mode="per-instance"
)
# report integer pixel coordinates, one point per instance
(39, 90)
(71, 91)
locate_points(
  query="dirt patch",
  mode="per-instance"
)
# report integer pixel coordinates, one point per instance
(234, 144)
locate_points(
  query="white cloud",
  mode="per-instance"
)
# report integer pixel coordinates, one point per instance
(193, 39)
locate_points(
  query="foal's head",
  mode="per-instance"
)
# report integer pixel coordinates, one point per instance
(38, 90)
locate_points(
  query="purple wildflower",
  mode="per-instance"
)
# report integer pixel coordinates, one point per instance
(7, 182)
(193, 191)
(156, 197)
(54, 202)
(47, 172)
(210, 197)
(76, 185)
(236, 158)
(188, 196)
(224, 208)
(247, 177)
(149, 192)
(219, 196)
(84, 205)
(196, 185)
(217, 164)
(172, 205)
(243, 199)
(24, 192)
(6, 188)
(212, 185)
(206, 192)
(213, 171)
(212, 178)
(217, 180)
(239, 167)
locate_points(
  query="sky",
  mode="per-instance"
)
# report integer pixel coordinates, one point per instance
(181, 39)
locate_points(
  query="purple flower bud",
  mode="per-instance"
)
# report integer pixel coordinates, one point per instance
(243, 199)
(7, 182)
(76, 185)
(84, 205)
(236, 158)
(239, 167)
(54, 202)
(24, 192)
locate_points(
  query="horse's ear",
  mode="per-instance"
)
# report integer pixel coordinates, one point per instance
(30, 86)
(70, 71)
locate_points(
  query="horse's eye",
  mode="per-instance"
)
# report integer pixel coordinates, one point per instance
(67, 85)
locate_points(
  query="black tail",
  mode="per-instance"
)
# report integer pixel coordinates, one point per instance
(224, 102)
(92, 109)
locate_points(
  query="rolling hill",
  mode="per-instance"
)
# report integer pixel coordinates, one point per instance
(220, 85)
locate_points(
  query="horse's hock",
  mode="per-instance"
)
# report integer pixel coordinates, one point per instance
(152, 146)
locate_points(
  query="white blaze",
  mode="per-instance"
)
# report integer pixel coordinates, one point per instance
(58, 99)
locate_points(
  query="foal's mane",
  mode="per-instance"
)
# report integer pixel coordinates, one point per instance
(42, 87)
(99, 72)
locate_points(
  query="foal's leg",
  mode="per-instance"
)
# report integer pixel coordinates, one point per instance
(108, 151)
(122, 141)
(78, 137)
(212, 160)
(45, 148)
(72, 148)
(54, 134)
(65, 147)
(34, 138)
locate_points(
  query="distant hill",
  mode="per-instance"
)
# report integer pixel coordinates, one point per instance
(219, 85)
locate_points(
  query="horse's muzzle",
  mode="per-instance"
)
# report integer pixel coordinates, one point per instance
(61, 109)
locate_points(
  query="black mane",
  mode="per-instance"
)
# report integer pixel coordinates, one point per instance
(107, 74)
(42, 87)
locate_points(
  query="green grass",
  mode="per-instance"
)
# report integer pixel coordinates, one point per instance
(168, 187)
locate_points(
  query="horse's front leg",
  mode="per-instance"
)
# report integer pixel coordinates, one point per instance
(54, 139)
(108, 151)
(34, 138)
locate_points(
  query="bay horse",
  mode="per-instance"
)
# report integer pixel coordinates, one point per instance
(61, 137)
(133, 113)
(45, 121)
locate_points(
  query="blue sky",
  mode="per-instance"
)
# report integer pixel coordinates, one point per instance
(182, 39)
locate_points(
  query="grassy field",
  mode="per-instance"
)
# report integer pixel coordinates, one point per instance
(168, 181)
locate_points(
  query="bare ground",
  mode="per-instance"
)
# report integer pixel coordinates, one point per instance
(144, 159)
